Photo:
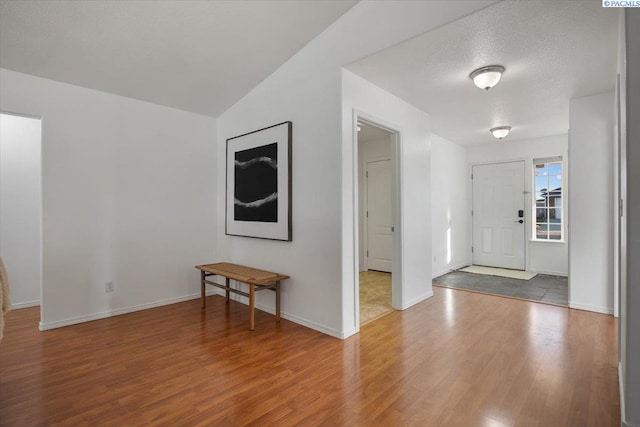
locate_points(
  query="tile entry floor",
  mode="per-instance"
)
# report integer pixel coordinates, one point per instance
(543, 287)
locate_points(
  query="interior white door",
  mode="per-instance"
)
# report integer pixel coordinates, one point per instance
(379, 226)
(498, 228)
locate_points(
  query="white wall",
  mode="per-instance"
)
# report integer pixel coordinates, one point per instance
(307, 91)
(128, 195)
(412, 216)
(21, 207)
(541, 257)
(368, 151)
(590, 201)
(450, 209)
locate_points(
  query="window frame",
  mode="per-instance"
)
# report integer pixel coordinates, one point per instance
(534, 206)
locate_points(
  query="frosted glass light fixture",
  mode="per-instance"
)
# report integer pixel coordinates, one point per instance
(500, 132)
(487, 77)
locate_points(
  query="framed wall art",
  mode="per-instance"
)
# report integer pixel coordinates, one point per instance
(258, 199)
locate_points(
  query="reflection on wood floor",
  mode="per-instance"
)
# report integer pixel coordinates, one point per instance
(456, 359)
(375, 295)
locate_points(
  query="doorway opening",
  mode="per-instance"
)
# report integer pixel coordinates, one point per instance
(376, 226)
(517, 218)
(21, 207)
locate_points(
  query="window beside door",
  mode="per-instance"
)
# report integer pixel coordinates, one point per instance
(547, 203)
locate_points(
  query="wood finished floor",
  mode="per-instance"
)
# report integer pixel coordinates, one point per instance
(457, 359)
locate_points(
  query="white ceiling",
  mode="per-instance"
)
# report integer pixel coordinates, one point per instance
(198, 56)
(552, 51)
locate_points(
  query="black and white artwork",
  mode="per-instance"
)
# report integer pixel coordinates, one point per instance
(259, 183)
(256, 184)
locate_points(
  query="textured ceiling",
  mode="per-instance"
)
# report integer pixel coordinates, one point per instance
(199, 56)
(552, 50)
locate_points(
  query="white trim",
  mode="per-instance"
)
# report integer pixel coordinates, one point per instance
(397, 273)
(563, 194)
(551, 242)
(588, 307)
(41, 219)
(111, 313)
(449, 270)
(307, 323)
(417, 300)
(292, 317)
(26, 304)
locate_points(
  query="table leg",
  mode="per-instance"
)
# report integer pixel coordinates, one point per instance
(252, 304)
(277, 301)
(202, 285)
(227, 290)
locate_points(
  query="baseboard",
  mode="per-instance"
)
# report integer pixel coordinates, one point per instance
(448, 270)
(103, 315)
(27, 304)
(587, 307)
(417, 300)
(295, 319)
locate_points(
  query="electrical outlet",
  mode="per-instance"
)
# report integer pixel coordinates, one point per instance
(108, 286)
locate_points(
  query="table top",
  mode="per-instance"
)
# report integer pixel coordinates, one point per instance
(250, 275)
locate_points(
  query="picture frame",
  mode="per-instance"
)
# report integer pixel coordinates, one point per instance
(258, 183)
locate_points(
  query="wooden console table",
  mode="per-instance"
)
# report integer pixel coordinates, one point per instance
(256, 279)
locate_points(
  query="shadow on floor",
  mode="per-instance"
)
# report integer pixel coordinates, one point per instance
(542, 288)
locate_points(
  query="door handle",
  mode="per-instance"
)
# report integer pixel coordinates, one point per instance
(519, 221)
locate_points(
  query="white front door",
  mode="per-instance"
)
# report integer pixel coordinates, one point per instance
(379, 227)
(498, 228)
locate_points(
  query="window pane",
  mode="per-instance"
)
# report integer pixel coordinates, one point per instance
(542, 201)
(542, 183)
(555, 182)
(557, 202)
(548, 199)
(555, 231)
(554, 169)
(541, 170)
(542, 215)
(541, 231)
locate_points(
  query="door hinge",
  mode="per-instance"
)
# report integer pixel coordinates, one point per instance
(472, 176)
(366, 174)
(621, 206)
(471, 212)
(367, 214)
(471, 249)
(367, 252)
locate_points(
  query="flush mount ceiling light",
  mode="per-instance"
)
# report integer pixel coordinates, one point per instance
(487, 77)
(500, 132)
